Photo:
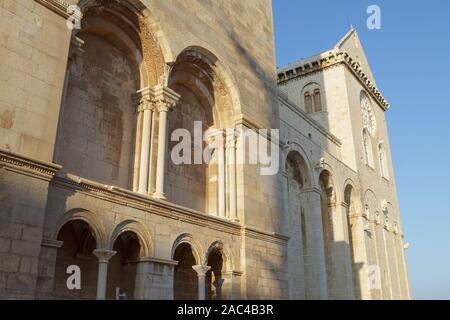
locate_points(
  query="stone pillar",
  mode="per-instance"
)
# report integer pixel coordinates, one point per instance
(103, 257)
(145, 147)
(145, 106)
(359, 253)
(316, 273)
(137, 151)
(46, 269)
(231, 165)
(165, 99)
(201, 273)
(221, 197)
(342, 252)
(216, 143)
(154, 279)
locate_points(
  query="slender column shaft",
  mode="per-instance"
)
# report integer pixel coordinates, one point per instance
(231, 152)
(145, 152)
(162, 147)
(221, 178)
(201, 273)
(103, 259)
(137, 153)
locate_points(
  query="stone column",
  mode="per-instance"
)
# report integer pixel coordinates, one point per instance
(231, 164)
(145, 105)
(221, 197)
(137, 150)
(360, 257)
(316, 273)
(201, 273)
(145, 147)
(343, 255)
(165, 99)
(103, 257)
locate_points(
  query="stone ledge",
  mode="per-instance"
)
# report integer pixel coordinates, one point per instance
(57, 6)
(28, 166)
(160, 207)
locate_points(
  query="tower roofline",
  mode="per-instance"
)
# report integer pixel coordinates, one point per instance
(329, 58)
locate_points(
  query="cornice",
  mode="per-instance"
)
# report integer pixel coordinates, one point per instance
(57, 6)
(28, 166)
(330, 60)
(158, 207)
(261, 235)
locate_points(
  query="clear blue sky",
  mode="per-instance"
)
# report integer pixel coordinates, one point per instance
(410, 58)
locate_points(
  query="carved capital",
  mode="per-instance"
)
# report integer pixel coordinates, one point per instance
(201, 270)
(103, 255)
(164, 98)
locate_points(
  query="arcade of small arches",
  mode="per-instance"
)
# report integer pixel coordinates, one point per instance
(302, 187)
(121, 265)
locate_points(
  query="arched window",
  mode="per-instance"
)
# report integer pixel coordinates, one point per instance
(312, 98)
(367, 146)
(383, 161)
(317, 101)
(308, 103)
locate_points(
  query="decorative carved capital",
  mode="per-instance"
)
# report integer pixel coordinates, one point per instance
(201, 270)
(103, 255)
(165, 99)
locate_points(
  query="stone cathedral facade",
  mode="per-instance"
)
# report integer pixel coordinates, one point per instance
(87, 179)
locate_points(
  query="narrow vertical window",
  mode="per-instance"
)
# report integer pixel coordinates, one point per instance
(367, 146)
(308, 103)
(383, 161)
(317, 101)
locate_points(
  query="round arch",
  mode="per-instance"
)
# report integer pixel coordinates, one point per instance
(217, 71)
(133, 16)
(187, 238)
(145, 239)
(225, 252)
(83, 215)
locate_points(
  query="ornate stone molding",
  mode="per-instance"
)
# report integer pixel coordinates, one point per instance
(25, 165)
(158, 261)
(103, 255)
(162, 208)
(262, 235)
(164, 98)
(57, 6)
(51, 243)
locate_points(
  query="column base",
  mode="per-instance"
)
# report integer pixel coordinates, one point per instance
(159, 196)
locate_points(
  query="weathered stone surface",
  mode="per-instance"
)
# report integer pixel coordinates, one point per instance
(92, 103)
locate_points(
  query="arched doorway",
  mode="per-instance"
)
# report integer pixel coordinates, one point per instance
(78, 244)
(185, 284)
(122, 267)
(214, 278)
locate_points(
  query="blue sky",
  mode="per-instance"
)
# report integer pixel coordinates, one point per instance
(410, 58)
